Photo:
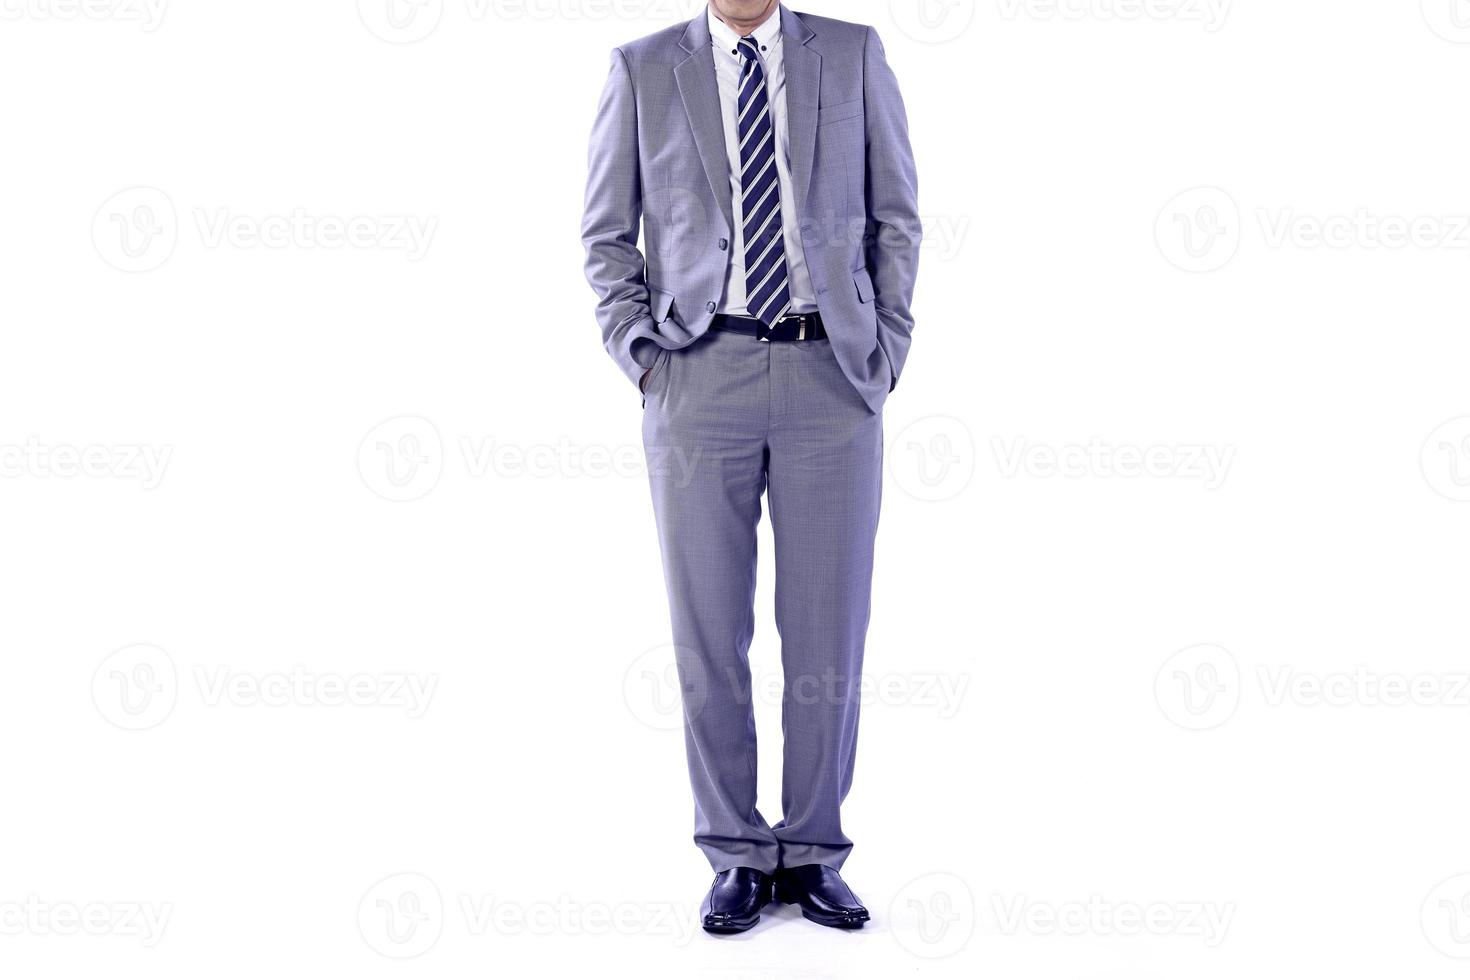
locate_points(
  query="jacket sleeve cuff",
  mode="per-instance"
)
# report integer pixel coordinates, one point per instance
(642, 352)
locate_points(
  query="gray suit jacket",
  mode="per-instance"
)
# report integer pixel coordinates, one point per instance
(658, 155)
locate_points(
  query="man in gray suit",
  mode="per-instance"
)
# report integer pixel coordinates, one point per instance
(765, 154)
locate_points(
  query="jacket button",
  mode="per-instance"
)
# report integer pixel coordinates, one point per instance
(724, 244)
(709, 307)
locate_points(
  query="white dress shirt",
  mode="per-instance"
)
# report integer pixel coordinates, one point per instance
(728, 64)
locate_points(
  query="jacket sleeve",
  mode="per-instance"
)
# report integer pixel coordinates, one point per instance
(611, 214)
(894, 229)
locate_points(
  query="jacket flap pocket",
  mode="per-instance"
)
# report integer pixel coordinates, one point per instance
(864, 284)
(660, 304)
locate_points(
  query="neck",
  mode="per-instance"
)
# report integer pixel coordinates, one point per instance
(744, 27)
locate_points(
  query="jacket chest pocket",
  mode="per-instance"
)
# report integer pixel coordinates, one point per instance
(839, 112)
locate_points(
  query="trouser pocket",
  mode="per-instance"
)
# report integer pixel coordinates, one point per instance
(656, 373)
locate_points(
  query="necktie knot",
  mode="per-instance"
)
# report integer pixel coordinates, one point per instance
(748, 49)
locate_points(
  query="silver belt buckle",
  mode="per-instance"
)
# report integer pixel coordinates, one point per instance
(800, 319)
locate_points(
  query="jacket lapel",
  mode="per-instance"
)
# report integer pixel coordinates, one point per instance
(701, 95)
(803, 84)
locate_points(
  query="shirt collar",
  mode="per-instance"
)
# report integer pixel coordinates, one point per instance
(725, 39)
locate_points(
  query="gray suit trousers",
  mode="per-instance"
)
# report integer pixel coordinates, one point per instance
(725, 419)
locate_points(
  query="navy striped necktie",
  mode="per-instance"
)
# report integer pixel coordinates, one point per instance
(767, 289)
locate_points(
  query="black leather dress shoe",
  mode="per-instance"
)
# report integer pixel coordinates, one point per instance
(822, 894)
(735, 900)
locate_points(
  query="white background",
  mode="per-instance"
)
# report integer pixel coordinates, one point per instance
(246, 464)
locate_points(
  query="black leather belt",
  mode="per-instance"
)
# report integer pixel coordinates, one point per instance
(793, 326)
